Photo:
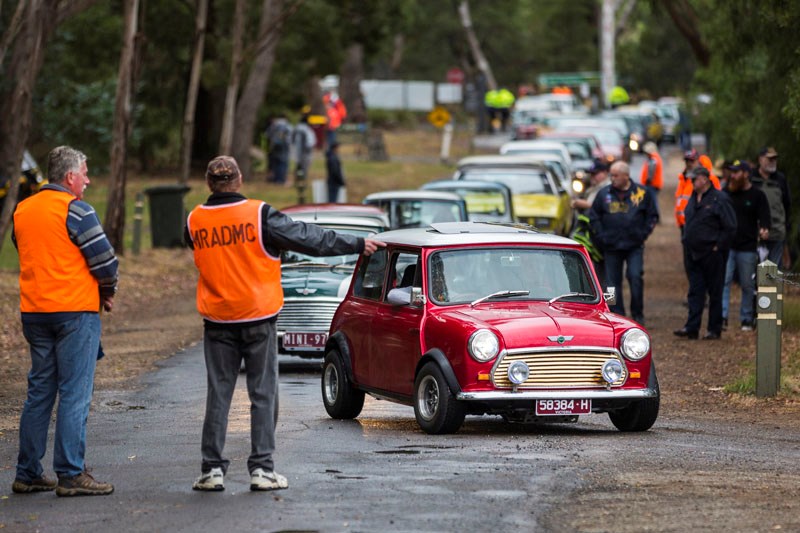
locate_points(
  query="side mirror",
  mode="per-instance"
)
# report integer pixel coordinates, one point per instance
(400, 296)
(417, 298)
(610, 296)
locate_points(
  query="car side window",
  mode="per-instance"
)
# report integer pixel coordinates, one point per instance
(405, 272)
(371, 275)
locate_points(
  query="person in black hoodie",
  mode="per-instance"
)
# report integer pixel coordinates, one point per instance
(622, 217)
(707, 236)
(752, 224)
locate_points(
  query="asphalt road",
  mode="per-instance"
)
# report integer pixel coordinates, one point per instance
(381, 473)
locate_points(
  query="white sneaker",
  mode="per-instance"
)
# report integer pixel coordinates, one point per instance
(213, 480)
(262, 480)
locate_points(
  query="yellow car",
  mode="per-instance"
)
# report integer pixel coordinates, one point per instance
(537, 198)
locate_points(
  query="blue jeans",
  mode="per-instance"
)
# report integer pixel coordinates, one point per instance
(634, 259)
(744, 264)
(63, 358)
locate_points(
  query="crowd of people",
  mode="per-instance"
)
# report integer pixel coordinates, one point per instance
(727, 227)
(287, 144)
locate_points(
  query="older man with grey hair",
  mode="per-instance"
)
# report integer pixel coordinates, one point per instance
(622, 217)
(68, 270)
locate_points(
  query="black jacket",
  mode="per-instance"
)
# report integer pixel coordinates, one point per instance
(710, 224)
(622, 220)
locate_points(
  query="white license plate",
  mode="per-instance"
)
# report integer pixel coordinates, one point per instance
(304, 341)
(563, 407)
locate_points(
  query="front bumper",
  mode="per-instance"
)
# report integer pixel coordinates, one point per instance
(509, 396)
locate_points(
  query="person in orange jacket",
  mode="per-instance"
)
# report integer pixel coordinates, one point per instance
(652, 175)
(684, 189)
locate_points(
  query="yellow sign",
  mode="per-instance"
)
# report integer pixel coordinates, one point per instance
(439, 116)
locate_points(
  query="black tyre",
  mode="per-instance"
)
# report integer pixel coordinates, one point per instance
(641, 414)
(437, 410)
(341, 399)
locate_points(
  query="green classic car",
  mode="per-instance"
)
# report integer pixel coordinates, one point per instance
(313, 287)
(537, 199)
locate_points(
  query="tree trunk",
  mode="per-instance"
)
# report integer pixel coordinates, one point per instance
(256, 85)
(237, 38)
(115, 215)
(350, 83)
(475, 46)
(11, 32)
(398, 47)
(685, 18)
(187, 135)
(15, 118)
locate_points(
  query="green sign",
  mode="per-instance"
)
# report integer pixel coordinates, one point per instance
(570, 79)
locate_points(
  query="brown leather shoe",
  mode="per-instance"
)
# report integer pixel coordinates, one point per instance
(82, 485)
(41, 484)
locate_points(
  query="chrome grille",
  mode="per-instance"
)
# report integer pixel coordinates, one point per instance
(307, 314)
(558, 369)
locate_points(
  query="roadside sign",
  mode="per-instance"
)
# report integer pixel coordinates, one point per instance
(455, 75)
(439, 116)
(571, 79)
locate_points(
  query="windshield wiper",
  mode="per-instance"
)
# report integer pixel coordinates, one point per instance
(500, 294)
(571, 295)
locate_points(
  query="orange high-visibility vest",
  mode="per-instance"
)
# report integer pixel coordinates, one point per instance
(53, 274)
(239, 281)
(685, 188)
(657, 181)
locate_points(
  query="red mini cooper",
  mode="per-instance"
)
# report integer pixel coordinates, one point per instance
(478, 318)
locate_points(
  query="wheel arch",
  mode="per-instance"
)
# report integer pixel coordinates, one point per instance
(436, 356)
(338, 341)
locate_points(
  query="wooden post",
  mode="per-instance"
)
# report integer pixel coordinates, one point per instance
(137, 223)
(769, 305)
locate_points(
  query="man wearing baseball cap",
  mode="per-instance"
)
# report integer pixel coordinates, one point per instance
(752, 223)
(710, 227)
(237, 244)
(770, 180)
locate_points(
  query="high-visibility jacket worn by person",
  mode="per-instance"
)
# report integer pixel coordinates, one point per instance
(54, 275)
(653, 172)
(685, 188)
(239, 280)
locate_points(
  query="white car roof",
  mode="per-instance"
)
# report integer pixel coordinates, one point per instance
(502, 161)
(412, 194)
(467, 233)
(329, 220)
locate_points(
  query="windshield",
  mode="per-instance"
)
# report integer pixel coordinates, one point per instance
(466, 275)
(481, 201)
(289, 258)
(520, 181)
(421, 213)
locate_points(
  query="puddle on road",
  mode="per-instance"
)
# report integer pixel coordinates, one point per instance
(397, 452)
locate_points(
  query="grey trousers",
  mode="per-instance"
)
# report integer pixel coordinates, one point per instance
(224, 351)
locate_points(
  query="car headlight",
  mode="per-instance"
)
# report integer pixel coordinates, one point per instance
(634, 144)
(483, 345)
(577, 186)
(635, 344)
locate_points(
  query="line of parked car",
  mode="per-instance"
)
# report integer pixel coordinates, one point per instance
(478, 305)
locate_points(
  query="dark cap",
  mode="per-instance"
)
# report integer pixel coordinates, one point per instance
(737, 165)
(700, 171)
(690, 155)
(222, 168)
(597, 166)
(768, 151)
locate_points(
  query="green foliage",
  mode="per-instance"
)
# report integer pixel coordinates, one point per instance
(754, 77)
(653, 58)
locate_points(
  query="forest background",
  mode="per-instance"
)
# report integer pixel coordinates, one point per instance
(114, 77)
